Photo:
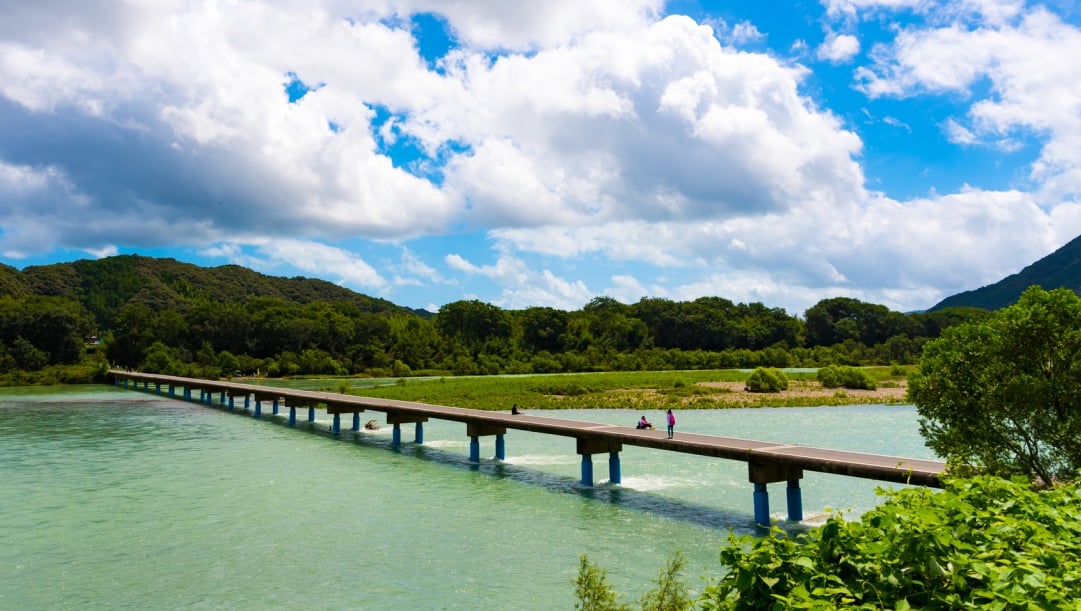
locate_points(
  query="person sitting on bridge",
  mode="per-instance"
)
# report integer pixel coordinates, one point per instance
(644, 424)
(514, 410)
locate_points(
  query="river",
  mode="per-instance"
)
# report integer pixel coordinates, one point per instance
(120, 499)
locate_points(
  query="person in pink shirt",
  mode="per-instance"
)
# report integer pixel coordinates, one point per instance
(671, 424)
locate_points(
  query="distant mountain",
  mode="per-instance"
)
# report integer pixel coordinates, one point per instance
(106, 285)
(1060, 269)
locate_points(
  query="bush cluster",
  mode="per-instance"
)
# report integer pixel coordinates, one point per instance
(981, 543)
(767, 379)
(841, 376)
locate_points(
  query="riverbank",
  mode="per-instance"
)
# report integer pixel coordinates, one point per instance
(647, 390)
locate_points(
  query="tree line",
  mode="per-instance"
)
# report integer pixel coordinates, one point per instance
(274, 336)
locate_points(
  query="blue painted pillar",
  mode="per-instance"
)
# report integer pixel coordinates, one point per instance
(311, 414)
(474, 449)
(337, 424)
(187, 394)
(418, 435)
(116, 381)
(356, 421)
(396, 435)
(795, 501)
(202, 396)
(500, 448)
(587, 470)
(258, 408)
(275, 407)
(221, 398)
(761, 506)
(614, 475)
(125, 383)
(230, 403)
(157, 388)
(247, 401)
(292, 416)
(172, 390)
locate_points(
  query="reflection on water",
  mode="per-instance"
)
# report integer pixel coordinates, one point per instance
(124, 499)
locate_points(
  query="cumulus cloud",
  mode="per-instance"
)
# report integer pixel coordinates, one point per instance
(1031, 94)
(839, 48)
(572, 135)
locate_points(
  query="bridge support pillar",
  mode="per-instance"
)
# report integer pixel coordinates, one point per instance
(247, 401)
(258, 408)
(337, 428)
(125, 383)
(614, 475)
(275, 407)
(500, 447)
(230, 402)
(221, 397)
(762, 473)
(311, 413)
(587, 447)
(475, 430)
(187, 394)
(761, 506)
(795, 501)
(418, 434)
(587, 470)
(172, 390)
(356, 421)
(292, 415)
(157, 388)
(396, 435)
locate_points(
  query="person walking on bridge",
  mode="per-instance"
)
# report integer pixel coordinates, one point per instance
(671, 423)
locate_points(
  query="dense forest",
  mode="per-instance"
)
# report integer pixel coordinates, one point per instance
(64, 322)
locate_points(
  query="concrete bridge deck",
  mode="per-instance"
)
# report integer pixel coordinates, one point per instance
(768, 462)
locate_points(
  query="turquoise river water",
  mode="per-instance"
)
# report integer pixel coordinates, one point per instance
(126, 500)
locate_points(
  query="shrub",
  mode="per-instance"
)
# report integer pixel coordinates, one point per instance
(980, 543)
(767, 379)
(842, 376)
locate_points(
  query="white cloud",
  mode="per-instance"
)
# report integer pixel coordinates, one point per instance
(320, 260)
(524, 287)
(573, 135)
(523, 26)
(839, 48)
(1030, 92)
(958, 133)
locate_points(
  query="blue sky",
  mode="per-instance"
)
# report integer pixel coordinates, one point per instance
(545, 153)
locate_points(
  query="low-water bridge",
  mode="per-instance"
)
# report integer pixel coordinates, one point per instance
(768, 462)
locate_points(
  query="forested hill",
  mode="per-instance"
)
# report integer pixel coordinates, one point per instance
(104, 286)
(1060, 269)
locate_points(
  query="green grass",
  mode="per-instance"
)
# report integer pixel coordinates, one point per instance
(618, 390)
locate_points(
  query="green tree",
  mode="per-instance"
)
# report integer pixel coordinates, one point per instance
(592, 590)
(1004, 394)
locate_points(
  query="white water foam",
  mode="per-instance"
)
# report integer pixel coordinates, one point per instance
(446, 443)
(647, 483)
(541, 459)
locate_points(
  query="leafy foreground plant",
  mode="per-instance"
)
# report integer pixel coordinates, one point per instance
(983, 543)
(593, 593)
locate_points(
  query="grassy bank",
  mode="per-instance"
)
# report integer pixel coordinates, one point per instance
(632, 390)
